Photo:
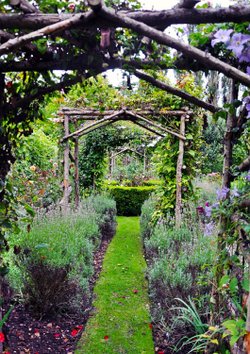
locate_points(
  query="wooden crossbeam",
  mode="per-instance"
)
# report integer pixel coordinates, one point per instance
(147, 128)
(81, 131)
(127, 149)
(125, 115)
(146, 120)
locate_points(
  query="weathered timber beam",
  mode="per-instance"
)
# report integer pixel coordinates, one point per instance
(245, 165)
(190, 51)
(127, 149)
(95, 113)
(159, 19)
(82, 62)
(24, 5)
(18, 42)
(151, 130)
(186, 96)
(155, 125)
(186, 4)
(81, 131)
(104, 124)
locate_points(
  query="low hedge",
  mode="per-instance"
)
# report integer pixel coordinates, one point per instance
(129, 200)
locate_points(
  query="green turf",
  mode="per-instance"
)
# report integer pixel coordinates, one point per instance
(122, 305)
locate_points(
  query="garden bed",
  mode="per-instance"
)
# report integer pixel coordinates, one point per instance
(59, 332)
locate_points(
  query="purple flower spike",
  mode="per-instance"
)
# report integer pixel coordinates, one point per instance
(248, 176)
(209, 229)
(222, 193)
(221, 36)
(248, 70)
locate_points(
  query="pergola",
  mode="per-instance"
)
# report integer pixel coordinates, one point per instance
(101, 119)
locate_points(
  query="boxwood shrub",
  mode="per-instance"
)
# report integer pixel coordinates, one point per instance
(129, 200)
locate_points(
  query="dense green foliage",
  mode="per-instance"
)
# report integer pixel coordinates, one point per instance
(130, 199)
(51, 265)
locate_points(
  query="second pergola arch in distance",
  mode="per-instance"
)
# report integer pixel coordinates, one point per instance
(67, 115)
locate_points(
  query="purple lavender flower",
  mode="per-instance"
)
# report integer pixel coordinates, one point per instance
(208, 211)
(209, 229)
(248, 176)
(248, 70)
(235, 192)
(221, 36)
(215, 206)
(222, 193)
(237, 43)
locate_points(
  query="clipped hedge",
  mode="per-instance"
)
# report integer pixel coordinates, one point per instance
(129, 200)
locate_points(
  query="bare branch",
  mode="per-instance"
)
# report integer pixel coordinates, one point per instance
(159, 19)
(245, 165)
(18, 42)
(186, 4)
(192, 52)
(24, 5)
(186, 96)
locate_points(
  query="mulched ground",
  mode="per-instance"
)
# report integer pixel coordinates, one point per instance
(26, 335)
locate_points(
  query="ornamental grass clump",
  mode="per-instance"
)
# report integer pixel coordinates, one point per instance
(52, 264)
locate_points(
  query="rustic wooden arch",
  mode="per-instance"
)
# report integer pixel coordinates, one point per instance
(67, 115)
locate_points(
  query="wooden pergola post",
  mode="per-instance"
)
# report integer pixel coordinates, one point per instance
(179, 166)
(66, 189)
(76, 161)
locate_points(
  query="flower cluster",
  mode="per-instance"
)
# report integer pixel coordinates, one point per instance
(206, 212)
(238, 43)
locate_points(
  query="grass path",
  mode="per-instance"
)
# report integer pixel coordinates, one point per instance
(120, 324)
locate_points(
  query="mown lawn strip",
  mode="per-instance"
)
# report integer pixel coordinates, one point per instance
(121, 322)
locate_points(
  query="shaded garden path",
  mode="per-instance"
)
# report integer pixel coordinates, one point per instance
(121, 322)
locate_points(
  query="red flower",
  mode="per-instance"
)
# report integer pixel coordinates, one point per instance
(8, 352)
(80, 327)
(106, 337)
(161, 352)
(74, 332)
(9, 84)
(2, 338)
(36, 330)
(57, 335)
(150, 325)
